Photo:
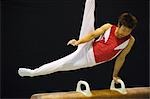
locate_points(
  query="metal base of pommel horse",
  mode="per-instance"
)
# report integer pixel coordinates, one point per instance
(113, 93)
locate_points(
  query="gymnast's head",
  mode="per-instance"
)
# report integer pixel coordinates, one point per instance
(126, 23)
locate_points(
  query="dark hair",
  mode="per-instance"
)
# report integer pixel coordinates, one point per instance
(128, 20)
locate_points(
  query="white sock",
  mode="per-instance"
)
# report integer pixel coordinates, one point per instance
(25, 72)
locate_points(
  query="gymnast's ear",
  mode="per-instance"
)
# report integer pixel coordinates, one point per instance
(119, 25)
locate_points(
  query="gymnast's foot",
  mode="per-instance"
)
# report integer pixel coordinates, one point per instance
(25, 72)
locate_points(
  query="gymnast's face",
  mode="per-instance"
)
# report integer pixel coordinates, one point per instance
(123, 31)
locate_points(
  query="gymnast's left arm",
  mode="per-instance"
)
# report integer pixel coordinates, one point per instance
(99, 31)
(121, 58)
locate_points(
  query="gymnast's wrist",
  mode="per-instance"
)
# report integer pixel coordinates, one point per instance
(78, 42)
(115, 75)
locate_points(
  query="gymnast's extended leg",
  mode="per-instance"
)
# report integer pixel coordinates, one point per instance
(76, 60)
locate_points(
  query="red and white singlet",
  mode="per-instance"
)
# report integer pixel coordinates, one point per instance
(108, 46)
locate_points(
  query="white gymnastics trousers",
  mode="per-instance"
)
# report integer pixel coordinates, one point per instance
(83, 57)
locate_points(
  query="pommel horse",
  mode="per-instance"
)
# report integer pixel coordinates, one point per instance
(113, 93)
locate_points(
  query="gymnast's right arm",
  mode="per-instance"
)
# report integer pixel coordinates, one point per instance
(90, 36)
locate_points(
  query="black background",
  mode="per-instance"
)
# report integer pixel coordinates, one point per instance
(35, 32)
